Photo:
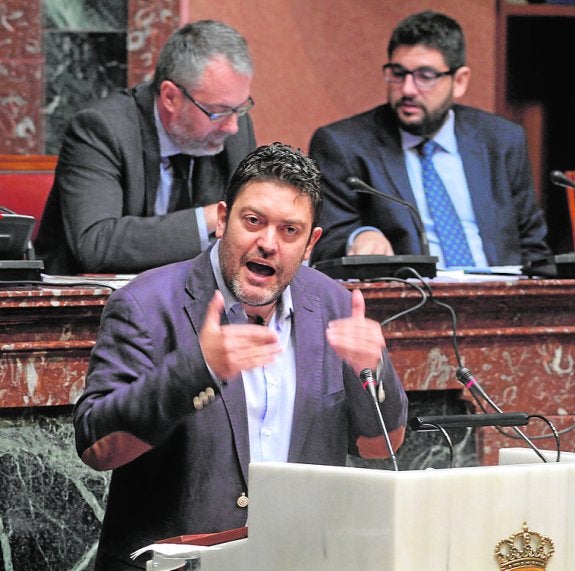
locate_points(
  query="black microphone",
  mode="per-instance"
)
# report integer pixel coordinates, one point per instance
(423, 423)
(465, 376)
(359, 186)
(369, 381)
(561, 179)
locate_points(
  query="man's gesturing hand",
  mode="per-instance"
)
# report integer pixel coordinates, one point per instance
(356, 339)
(230, 349)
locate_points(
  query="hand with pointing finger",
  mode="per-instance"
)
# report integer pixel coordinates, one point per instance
(230, 349)
(357, 339)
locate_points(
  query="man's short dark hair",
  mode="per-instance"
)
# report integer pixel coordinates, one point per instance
(281, 164)
(433, 30)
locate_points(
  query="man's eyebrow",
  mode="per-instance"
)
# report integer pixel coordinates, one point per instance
(292, 221)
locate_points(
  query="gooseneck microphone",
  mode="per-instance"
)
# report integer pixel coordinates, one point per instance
(561, 179)
(378, 266)
(367, 377)
(359, 186)
(466, 377)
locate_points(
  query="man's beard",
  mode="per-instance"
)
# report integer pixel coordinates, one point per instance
(257, 298)
(266, 297)
(179, 134)
(430, 124)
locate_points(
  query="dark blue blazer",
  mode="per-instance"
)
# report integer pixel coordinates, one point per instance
(496, 164)
(178, 470)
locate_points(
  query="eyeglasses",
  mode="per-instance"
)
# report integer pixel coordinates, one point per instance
(217, 117)
(423, 77)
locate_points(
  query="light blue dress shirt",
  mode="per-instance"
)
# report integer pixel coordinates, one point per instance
(269, 390)
(167, 149)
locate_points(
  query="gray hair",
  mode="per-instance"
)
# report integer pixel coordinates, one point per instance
(187, 52)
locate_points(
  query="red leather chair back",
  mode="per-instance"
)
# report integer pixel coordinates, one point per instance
(25, 182)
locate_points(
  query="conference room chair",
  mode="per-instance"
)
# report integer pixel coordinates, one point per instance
(25, 182)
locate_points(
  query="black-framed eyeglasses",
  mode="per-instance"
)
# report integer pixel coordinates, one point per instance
(220, 116)
(423, 77)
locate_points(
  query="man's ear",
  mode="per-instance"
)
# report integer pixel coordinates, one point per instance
(170, 96)
(314, 237)
(221, 217)
(461, 82)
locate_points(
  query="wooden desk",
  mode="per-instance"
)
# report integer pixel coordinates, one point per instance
(518, 338)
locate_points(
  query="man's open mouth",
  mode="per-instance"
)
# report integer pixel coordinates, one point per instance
(260, 269)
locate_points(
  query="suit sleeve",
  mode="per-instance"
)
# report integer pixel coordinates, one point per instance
(531, 223)
(105, 207)
(136, 391)
(366, 433)
(341, 213)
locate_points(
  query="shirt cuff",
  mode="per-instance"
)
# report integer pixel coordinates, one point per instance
(202, 228)
(357, 232)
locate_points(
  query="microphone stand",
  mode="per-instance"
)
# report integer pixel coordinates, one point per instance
(359, 186)
(369, 383)
(371, 266)
(465, 376)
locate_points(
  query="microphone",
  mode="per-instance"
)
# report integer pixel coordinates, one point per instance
(561, 179)
(466, 377)
(359, 186)
(369, 381)
(557, 265)
(370, 267)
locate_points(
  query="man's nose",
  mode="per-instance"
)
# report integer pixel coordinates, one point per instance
(408, 86)
(229, 125)
(267, 240)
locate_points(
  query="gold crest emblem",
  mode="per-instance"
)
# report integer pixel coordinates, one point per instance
(526, 550)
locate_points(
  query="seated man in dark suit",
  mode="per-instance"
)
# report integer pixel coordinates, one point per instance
(479, 160)
(140, 172)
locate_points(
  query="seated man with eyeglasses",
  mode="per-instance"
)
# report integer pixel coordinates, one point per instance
(140, 172)
(478, 159)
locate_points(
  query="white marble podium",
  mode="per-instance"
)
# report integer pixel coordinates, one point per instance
(317, 518)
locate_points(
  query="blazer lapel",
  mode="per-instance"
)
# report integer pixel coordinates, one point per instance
(201, 285)
(478, 175)
(309, 354)
(144, 97)
(390, 155)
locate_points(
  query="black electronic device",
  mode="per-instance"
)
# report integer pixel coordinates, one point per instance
(423, 423)
(371, 267)
(15, 234)
(555, 266)
(21, 270)
(16, 252)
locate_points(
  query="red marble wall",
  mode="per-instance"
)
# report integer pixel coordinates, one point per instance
(151, 23)
(22, 63)
(21, 77)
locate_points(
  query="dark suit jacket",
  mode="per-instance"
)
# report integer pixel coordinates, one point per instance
(145, 370)
(99, 216)
(497, 169)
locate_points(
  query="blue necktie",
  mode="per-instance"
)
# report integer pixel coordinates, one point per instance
(447, 224)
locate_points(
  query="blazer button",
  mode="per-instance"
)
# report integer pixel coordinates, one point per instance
(243, 501)
(198, 404)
